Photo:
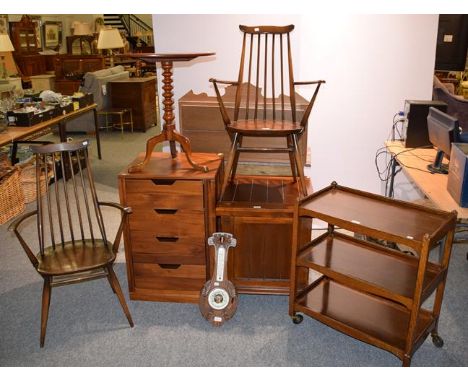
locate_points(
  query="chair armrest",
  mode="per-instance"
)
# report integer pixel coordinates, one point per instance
(214, 80)
(125, 211)
(222, 108)
(318, 83)
(309, 82)
(14, 227)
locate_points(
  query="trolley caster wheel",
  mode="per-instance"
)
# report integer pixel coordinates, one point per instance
(297, 319)
(437, 341)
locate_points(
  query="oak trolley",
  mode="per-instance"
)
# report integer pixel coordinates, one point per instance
(364, 289)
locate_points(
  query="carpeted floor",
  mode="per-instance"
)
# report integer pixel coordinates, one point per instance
(88, 328)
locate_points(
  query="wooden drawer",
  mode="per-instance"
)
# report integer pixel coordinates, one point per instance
(166, 186)
(181, 223)
(169, 276)
(147, 247)
(165, 201)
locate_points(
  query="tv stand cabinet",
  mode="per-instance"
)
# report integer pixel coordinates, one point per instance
(366, 290)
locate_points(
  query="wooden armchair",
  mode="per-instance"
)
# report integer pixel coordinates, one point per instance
(267, 60)
(73, 245)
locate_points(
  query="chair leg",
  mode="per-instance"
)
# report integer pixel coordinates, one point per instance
(228, 169)
(299, 165)
(110, 282)
(292, 161)
(236, 159)
(116, 287)
(46, 292)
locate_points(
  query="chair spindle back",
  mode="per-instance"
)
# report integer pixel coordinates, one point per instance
(266, 62)
(69, 209)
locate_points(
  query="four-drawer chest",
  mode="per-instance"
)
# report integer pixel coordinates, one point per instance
(173, 214)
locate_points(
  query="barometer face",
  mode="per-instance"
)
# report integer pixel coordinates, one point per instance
(218, 298)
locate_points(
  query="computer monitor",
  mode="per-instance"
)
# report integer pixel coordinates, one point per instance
(443, 130)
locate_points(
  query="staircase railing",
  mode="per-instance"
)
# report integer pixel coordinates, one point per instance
(138, 28)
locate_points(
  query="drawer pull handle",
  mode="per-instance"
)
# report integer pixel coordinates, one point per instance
(165, 211)
(170, 266)
(167, 239)
(163, 182)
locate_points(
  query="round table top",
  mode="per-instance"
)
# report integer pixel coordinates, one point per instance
(159, 57)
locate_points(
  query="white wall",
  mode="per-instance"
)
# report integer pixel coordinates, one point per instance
(372, 64)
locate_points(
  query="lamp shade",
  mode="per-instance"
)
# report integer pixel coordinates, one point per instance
(5, 43)
(81, 29)
(109, 38)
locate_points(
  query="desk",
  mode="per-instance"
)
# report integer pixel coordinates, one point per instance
(414, 163)
(16, 134)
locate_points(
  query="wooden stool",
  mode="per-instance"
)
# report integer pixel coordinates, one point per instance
(120, 112)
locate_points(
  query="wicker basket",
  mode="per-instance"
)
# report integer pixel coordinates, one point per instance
(28, 180)
(11, 195)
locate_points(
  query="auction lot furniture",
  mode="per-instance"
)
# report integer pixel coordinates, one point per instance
(138, 94)
(70, 69)
(258, 211)
(168, 129)
(173, 215)
(365, 290)
(120, 113)
(73, 247)
(15, 134)
(266, 56)
(202, 123)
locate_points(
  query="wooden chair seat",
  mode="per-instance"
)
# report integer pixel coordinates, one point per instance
(79, 256)
(264, 128)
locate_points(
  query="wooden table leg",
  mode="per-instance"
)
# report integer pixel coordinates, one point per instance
(96, 129)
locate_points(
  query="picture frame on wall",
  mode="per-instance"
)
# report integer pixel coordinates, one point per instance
(4, 24)
(38, 20)
(52, 34)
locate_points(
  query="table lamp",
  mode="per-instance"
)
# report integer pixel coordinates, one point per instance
(5, 46)
(109, 38)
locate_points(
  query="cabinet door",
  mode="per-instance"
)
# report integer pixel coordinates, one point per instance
(261, 261)
(263, 250)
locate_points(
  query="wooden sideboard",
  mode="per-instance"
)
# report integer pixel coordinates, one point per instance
(200, 121)
(258, 211)
(70, 69)
(173, 214)
(139, 94)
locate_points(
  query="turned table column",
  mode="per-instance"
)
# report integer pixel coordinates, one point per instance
(168, 132)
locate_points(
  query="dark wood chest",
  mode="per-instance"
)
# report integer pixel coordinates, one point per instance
(139, 94)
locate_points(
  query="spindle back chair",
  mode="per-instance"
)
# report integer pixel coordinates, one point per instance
(71, 235)
(266, 62)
